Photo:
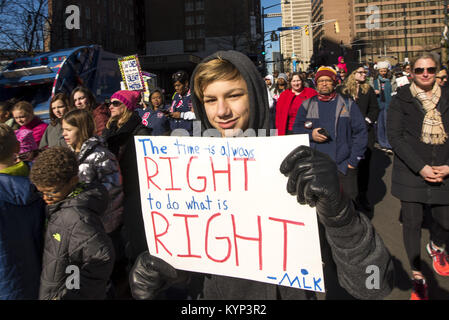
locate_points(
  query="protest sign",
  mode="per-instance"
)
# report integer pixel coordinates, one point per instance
(131, 73)
(220, 206)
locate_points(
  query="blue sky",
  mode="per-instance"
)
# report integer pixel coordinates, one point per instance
(271, 24)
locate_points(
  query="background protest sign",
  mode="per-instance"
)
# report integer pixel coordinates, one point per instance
(220, 206)
(131, 73)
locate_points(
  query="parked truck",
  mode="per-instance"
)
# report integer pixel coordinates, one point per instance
(36, 79)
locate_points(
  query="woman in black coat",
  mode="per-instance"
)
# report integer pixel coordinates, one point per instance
(119, 134)
(420, 168)
(357, 87)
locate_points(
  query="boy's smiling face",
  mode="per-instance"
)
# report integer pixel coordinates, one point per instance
(227, 106)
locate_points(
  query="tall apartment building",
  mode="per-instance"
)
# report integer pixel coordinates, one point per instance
(328, 43)
(297, 44)
(405, 27)
(371, 30)
(202, 27)
(109, 23)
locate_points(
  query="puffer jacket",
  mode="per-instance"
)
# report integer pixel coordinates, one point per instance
(75, 238)
(99, 165)
(22, 215)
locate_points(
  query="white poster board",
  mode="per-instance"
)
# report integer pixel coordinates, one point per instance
(131, 73)
(220, 206)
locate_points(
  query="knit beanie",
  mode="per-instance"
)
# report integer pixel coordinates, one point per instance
(326, 71)
(283, 76)
(129, 98)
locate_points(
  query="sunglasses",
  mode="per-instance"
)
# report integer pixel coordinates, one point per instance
(442, 77)
(431, 70)
(115, 104)
(362, 72)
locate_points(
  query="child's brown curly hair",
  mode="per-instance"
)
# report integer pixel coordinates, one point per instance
(54, 167)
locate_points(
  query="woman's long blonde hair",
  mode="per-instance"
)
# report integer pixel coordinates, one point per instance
(351, 86)
(121, 120)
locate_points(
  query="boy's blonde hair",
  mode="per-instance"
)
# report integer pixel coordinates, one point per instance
(213, 70)
(8, 142)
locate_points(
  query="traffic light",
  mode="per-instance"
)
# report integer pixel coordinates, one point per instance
(306, 30)
(263, 53)
(337, 27)
(274, 36)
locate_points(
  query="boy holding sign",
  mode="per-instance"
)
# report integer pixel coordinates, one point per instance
(230, 97)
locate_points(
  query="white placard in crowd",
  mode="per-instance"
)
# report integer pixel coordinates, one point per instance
(220, 206)
(131, 73)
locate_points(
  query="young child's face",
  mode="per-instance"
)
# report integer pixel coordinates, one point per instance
(52, 195)
(58, 108)
(156, 100)
(227, 106)
(70, 134)
(21, 117)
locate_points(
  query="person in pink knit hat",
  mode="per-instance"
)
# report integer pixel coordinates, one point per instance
(27, 144)
(124, 124)
(23, 113)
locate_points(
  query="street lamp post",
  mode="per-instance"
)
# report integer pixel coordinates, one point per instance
(263, 29)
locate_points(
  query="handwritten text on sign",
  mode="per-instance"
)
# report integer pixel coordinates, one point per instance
(131, 73)
(220, 206)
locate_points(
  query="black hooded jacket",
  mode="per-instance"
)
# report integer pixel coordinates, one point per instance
(346, 250)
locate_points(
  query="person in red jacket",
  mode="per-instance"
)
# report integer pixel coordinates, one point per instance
(289, 102)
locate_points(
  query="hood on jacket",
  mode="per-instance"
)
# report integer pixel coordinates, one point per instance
(17, 190)
(94, 197)
(257, 91)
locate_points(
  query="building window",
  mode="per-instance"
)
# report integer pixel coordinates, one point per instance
(189, 6)
(199, 5)
(200, 19)
(190, 20)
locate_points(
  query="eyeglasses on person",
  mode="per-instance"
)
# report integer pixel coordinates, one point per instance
(431, 70)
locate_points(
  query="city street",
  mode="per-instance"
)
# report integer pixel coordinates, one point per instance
(386, 221)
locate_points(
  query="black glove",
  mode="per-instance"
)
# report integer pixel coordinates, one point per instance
(150, 276)
(312, 177)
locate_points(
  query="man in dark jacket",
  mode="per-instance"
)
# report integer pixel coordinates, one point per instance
(336, 127)
(349, 242)
(417, 122)
(78, 254)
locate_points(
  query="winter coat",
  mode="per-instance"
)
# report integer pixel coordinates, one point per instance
(156, 120)
(369, 108)
(75, 237)
(26, 140)
(404, 124)
(22, 215)
(351, 136)
(345, 249)
(386, 91)
(287, 106)
(38, 127)
(53, 137)
(99, 165)
(101, 115)
(121, 142)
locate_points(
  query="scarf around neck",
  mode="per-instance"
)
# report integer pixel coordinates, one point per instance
(432, 129)
(327, 98)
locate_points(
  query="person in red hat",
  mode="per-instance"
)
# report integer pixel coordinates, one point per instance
(336, 127)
